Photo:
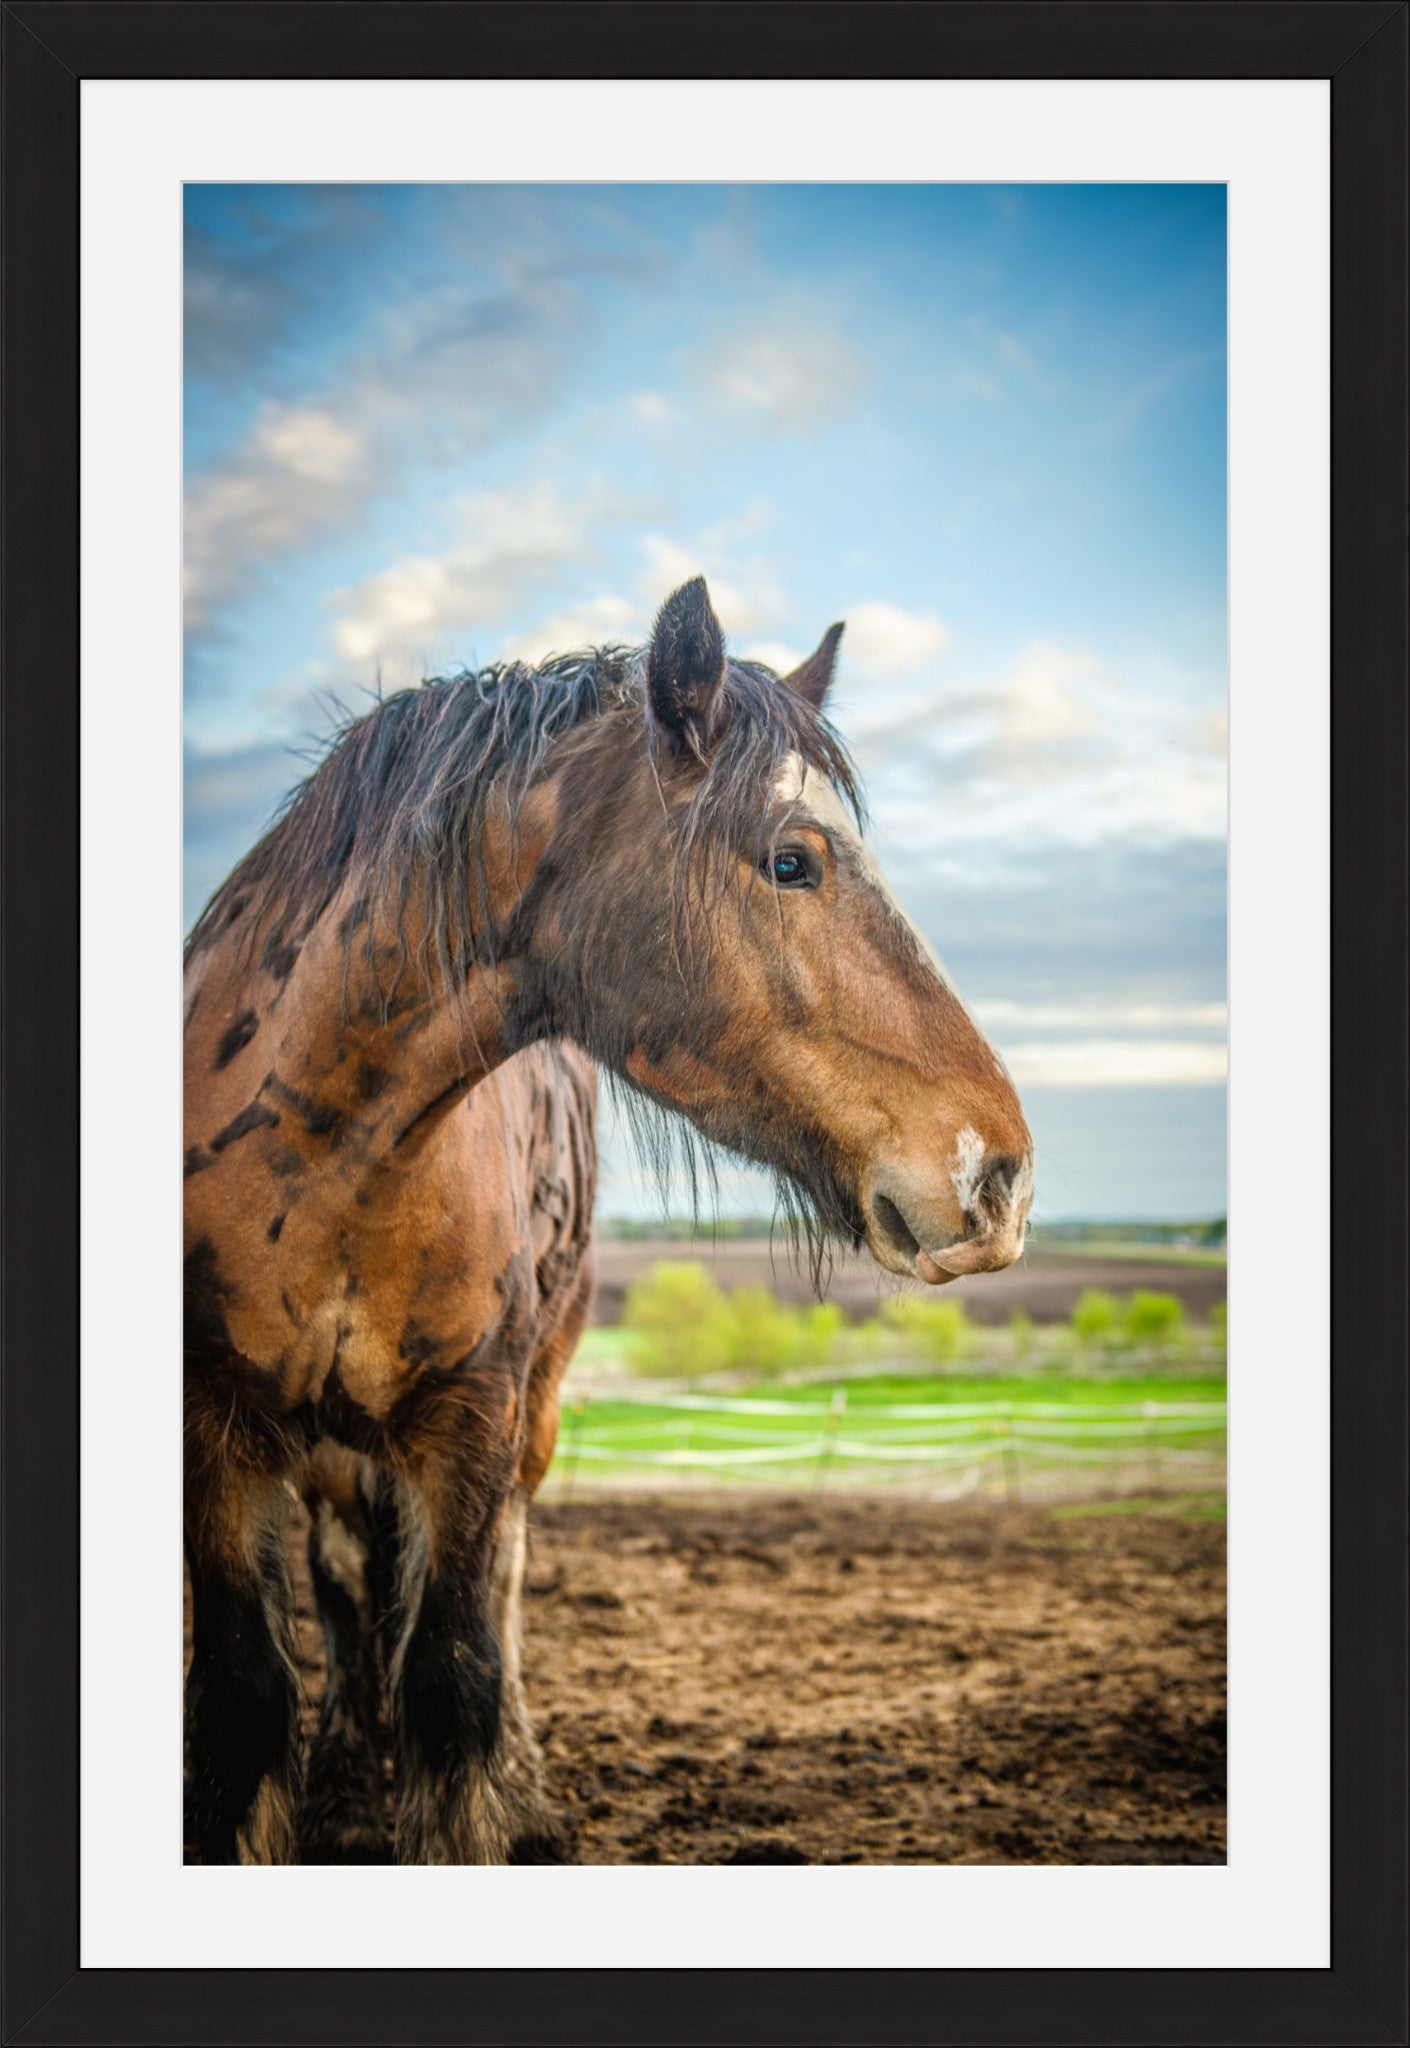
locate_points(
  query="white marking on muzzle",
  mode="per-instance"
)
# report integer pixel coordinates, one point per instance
(969, 1161)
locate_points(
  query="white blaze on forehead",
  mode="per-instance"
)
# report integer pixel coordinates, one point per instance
(798, 785)
(969, 1163)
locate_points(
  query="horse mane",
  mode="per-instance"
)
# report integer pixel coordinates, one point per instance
(401, 798)
(402, 793)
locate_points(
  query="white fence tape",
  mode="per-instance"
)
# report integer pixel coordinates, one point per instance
(922, 1411)
(972, 1433)
(1021, 1429)
(626, 1454)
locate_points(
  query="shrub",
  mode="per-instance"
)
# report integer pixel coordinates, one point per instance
(820, 1327)
(1218, 1320)
(764, 1335)
(1094, 1317)
(940, 1329)
(681, 1318)
(1154, 1318)
(868, 1339)
(1021, 1333)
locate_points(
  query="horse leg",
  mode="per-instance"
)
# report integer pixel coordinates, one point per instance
(446, 1675)
(242, 1699)
(344, 1817)
(470, 1781)
(464, 1792)
(541, 1435)
(539, 1839)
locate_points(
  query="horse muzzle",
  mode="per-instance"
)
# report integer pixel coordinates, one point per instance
(915, 1235)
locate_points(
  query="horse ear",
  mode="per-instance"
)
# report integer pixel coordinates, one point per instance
(685, 669)
(812, 677)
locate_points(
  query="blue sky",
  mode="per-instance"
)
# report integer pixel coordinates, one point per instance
(427, 426)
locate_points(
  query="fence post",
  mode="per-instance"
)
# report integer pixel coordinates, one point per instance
(1011, 1460)
(1152, 1444)
(830, 1423)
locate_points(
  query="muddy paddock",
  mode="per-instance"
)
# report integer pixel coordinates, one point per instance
(755, 1679)
(879, 1681)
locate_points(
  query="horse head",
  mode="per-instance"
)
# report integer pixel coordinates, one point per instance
(706, 919)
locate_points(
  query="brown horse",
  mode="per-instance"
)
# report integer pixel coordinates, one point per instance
(649, 861)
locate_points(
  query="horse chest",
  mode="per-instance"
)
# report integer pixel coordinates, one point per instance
(359, 1325)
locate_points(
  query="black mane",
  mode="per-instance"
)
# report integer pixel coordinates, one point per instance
(402, 793)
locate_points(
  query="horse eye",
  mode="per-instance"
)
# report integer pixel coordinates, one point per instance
(787, 870)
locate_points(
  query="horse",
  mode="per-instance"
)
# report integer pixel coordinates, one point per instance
(648, 862)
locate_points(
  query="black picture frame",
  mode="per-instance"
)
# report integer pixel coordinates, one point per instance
(48, 47)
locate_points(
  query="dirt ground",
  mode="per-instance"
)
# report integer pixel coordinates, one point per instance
(1045, 1284)
(790, 1679)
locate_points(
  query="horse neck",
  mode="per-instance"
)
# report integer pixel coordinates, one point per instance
(356, 1042)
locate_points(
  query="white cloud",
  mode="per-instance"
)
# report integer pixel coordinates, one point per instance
(788, 371)
(444, 372)
(774, 654)
(514, 542)
(610, 617)
(1210, 733)
(1059, 748)
(1038, 704)
(744, 593)
(515, 545)
(888, 699)
(1117, 1063)
(1108, 1042)
(653, 407)
(1096, 1016)
(883, 640)
(289, 483)
(596, 622)
(752, 517)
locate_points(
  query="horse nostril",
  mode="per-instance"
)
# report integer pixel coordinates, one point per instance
(995, 1186)
(894, 1227)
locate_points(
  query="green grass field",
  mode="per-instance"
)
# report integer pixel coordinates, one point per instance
(956, 1431)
